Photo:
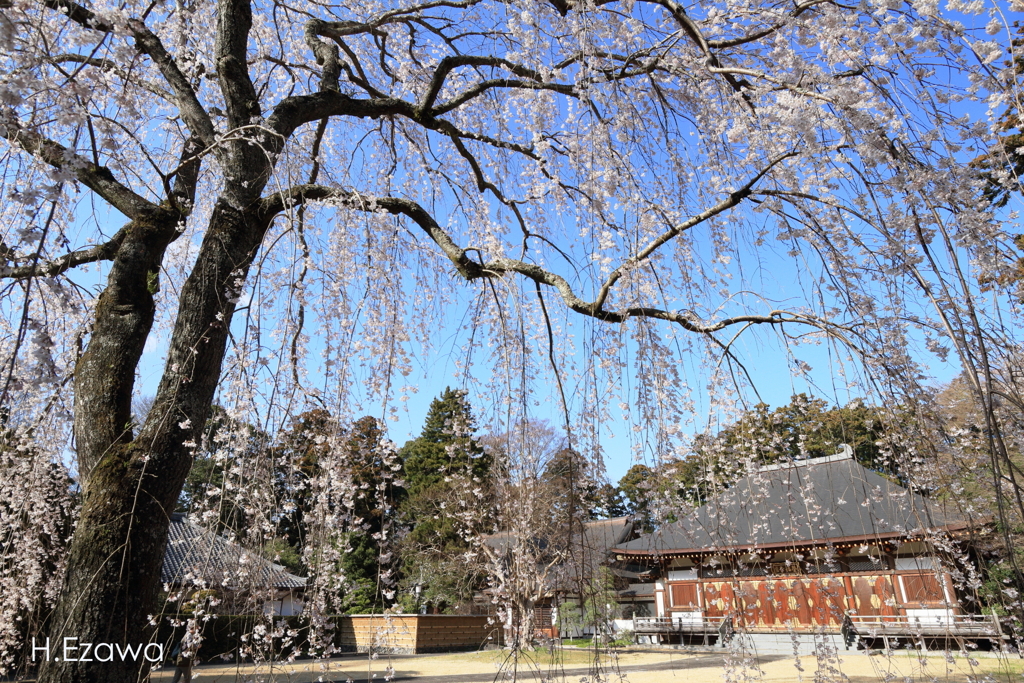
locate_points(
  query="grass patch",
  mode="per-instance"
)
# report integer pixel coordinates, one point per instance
(578, 642)
(625, 639)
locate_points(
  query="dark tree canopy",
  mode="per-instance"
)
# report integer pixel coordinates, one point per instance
(445, 446)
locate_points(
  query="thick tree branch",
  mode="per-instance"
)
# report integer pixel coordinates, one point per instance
(192, 112)
(472, 270)
(693, 31)
(234, 21)
(326, 54)
(298, 110)
(448, 64)
(182, 195)
(101, 252)
(99, 179)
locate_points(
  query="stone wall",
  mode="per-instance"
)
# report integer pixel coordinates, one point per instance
(415, 633)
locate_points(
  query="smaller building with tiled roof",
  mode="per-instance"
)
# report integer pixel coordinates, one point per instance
(196, 557)
(577, 560)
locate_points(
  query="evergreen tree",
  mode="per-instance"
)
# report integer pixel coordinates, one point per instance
(375, 504)
(636, 487)
(299, 456)
(446, 473)
(446, 445)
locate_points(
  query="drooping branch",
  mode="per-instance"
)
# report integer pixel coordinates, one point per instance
(516, 84)
(765, 32)
(281, 201)
(197, 119)
(112, 67)
(693, 31)
(674, 231)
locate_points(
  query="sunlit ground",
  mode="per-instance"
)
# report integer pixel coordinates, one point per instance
(578, 665)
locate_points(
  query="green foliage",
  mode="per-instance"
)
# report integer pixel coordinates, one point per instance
(804, 428)
(280, 551)
(572, 492)
(570, 618)
(607, 502)
(297, 455)
(446, 583)
(375, 504)
(624, 638)
(598, 608)
(446, 472)
(446, 445)
(361, 565)
(1000, 587)
(637, 488)
(600, 601)
(808, 428)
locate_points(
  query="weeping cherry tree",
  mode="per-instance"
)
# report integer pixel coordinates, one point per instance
(274, 205)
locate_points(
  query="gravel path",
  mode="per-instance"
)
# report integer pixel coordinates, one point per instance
(646, 667)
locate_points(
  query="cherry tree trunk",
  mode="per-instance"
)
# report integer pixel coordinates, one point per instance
(132, 482)
(113, 577)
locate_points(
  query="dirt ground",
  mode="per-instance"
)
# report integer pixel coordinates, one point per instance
(577, 666)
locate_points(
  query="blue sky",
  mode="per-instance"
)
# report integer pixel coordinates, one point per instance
(767, 270)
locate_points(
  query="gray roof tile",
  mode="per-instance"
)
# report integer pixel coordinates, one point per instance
(196, 554)
(806, 502)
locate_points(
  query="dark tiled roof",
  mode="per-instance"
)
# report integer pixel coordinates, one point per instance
(801, 503)
(598, 538)
(196, 554)
(589, 550)
(601, 535)
(640, 590)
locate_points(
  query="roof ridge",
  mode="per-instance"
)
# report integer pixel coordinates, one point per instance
(845, 453)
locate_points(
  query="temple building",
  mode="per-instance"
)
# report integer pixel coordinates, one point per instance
(821, 545)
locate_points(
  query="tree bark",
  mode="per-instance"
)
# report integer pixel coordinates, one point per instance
(131, 482)
(117, 551)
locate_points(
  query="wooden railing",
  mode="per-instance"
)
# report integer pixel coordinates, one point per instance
(721, 626)
(956, 626)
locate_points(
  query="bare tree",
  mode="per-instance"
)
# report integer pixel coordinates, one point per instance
(520, 560)
(327, 170)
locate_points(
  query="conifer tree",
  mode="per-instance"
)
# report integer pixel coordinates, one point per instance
(445, 446)
(446, 474)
